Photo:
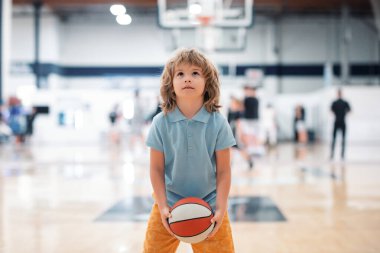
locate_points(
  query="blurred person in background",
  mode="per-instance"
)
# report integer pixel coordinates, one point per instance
(235, 111)
(300, 129)
(5, 130)
(269, 125)
(114, 118)
(158, 109)
(30, 117)
(17, 119)
(137, 123)
(339, 108)
(249, 125)
(114, 115)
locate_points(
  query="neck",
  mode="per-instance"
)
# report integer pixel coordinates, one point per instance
(189, 107)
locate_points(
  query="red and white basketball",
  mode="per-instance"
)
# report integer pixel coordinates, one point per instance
(191, 220)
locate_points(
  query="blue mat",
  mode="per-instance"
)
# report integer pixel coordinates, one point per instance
(241, 209)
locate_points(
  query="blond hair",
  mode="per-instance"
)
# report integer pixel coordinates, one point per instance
(193, 57)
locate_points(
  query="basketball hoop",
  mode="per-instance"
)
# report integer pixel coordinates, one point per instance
(205, 32)
(204, 20)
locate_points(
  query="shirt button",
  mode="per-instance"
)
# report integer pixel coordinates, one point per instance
(189, 135)
(190, 148)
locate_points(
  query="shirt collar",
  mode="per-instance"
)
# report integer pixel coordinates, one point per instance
(202, 115)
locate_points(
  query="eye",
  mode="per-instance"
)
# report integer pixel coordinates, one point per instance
(179, 74)
(196, 73)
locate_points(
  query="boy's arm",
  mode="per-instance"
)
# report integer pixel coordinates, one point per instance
(157, 178)
(223, 184)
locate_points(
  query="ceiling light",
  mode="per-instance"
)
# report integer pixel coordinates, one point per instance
(117, 9)
(124, 19)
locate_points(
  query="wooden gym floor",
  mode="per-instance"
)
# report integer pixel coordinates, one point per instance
(96, 198)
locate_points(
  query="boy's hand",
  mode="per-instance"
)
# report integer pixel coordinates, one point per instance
(218, 218)
(165, 214)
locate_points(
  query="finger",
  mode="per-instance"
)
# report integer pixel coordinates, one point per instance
(167, 214)
(214, 230)
(216, 218)
(166, 225)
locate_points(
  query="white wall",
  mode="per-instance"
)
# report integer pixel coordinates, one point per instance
(103, 42)
(6, 30)
(96, 40)
(23, 39)
(364, 43)
(92, 107)
(363, 123)
(364, 120)
(304, 40)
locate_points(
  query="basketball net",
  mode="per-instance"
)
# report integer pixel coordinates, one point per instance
(204, 20)
(205, 32)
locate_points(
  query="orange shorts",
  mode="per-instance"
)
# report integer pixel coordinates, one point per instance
(158, 240)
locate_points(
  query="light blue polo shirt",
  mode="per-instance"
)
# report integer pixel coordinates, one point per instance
(189, 147)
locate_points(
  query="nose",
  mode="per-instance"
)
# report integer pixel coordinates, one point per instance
(187, 79)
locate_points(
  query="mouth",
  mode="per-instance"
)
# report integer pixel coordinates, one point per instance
(188, 88)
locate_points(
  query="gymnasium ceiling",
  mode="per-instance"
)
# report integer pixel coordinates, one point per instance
(361, 7)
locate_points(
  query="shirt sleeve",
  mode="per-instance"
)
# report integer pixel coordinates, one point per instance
(154, 139)
(225, 137)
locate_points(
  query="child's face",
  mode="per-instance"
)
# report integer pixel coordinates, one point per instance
(188, 81)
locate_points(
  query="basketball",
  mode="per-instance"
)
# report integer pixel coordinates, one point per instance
(191, 220)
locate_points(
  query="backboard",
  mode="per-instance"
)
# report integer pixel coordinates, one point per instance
(223, 13)
(211, 25)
